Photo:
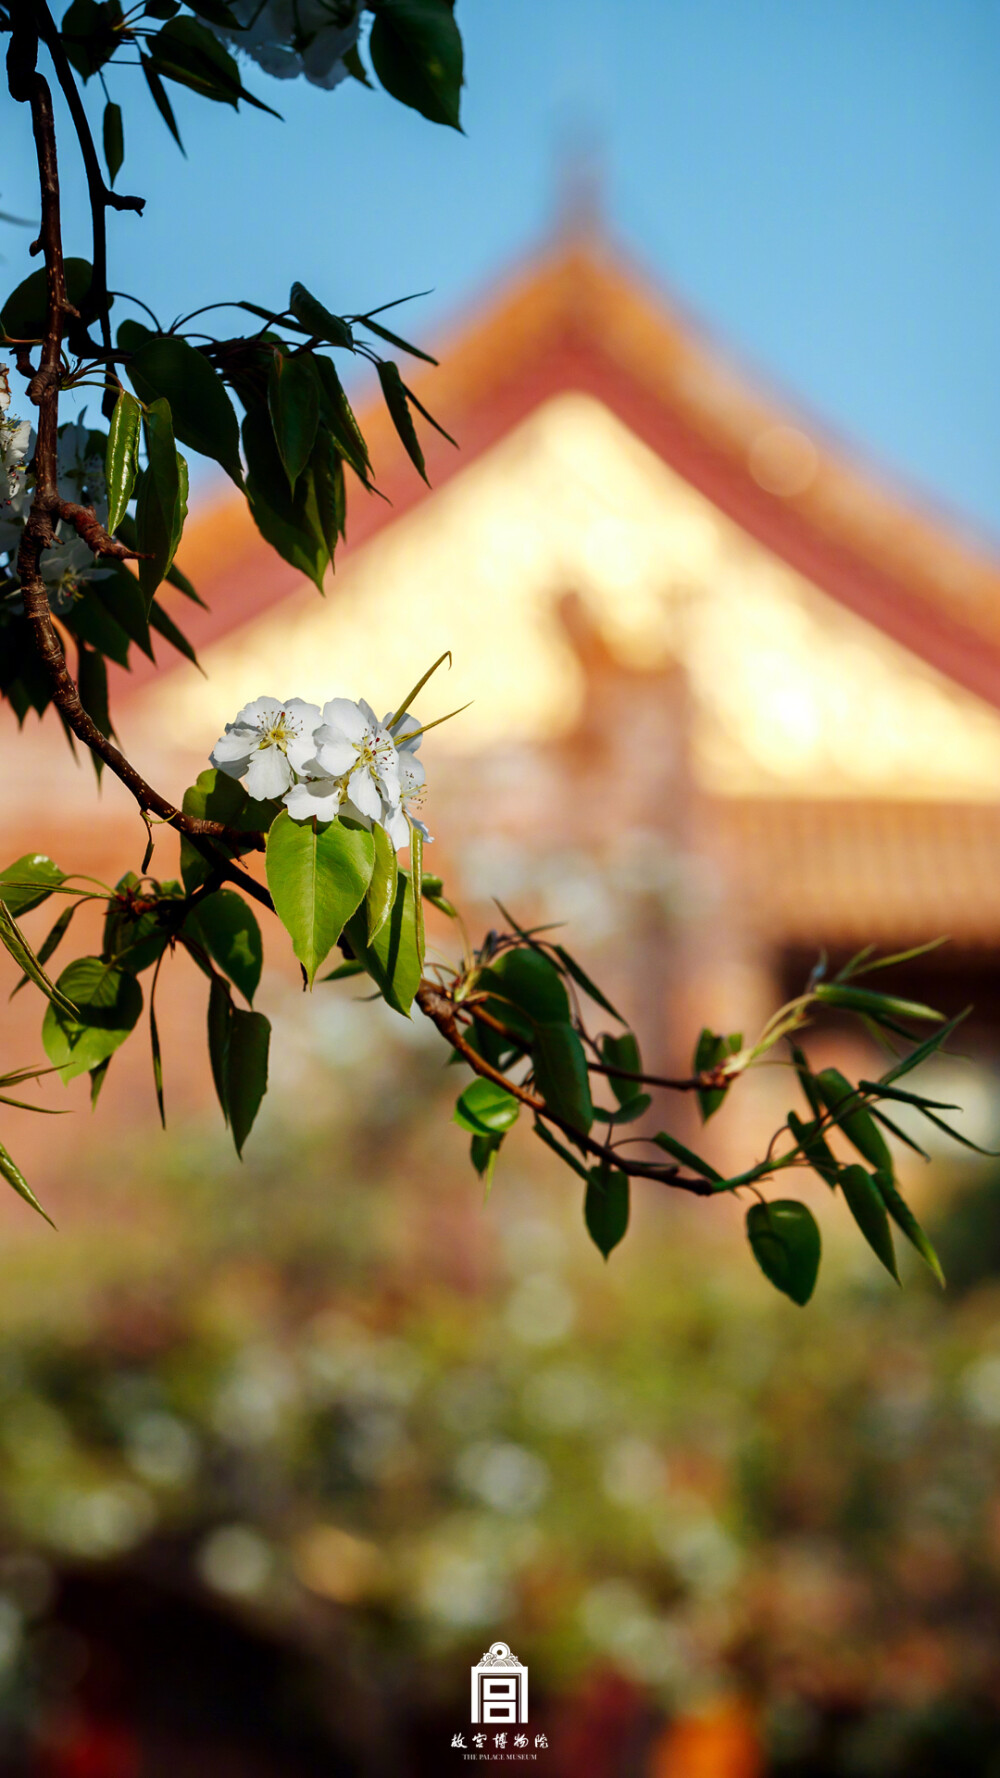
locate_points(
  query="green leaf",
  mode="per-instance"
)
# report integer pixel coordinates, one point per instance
(857, 1123)
(10, 1171)
(606, 1207)
(561, 1075)
(50, 944)
(625, 1114)
(345, 971)
(524, 981)
(114, 141)
(28, 882)
(905, 1220)
(671, 1146)
(327, 469)
(159, 500)
(122, 458)
(214, 796)
(816, 1150)
(583, 981)
(395, 339)
(186, 52)
(119, 592)
(416, 51)
(92, 684)
(220, 1007)
(399, 413)
(246, 1070)
(559, 1148)
(165, 627)
(226, 927)
(622, 1052)
(23, 315)
(486, 1108)
(108, 1002)
(867, 1206)
(785, 1241)
(154, 1043)
(866, 1000)
(14, 941)
(709, 1051)
(392, 959)
(291, 526)
(160, 99)
(338, 417)
(98, 1076)
(89, 619)
(923, 1050)
(293, 403)
(417, 879)
(484, 1151)
(381, 894)
(317, 320)
(168, 368)
(318, 876)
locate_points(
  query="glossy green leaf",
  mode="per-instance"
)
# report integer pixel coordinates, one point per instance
(166, 366)
(114, 140)
(416, 51)
(50, 944)
(28, 882)
(318, 877)
(392, 959)
(293, 403)
(122, 457)
(246, 1071)
(785, 1241)
(120, 594)
(317, 320)
(327, 469)
(108, 1002)
(710, 1050)
(867, 1206)
(381, 894)
(485, 1108)
(930, 1046)
(484, 1151)
(606, 1207)
(10, 1171)
(159, 499)
(628, 1113)
(525, 982)
(551, 1141)
(857, 1123)
(417, 879)
(226, 926)
(561, 1075)
(399, 413)
(188, 53)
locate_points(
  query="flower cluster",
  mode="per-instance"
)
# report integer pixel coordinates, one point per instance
(69, 562)
(338, 761)
(289, 37)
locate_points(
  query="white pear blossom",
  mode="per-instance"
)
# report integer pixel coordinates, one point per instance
(290, 37)
(270, 743)
(352, 745)
(412, 777)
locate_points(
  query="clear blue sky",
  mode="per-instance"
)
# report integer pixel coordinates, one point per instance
(818, 179)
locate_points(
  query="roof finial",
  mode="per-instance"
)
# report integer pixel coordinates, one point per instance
(579, 182)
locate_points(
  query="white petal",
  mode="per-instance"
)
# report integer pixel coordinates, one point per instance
(412, 774)
(345, 716)
(397, 827)
(352, 810)
(234, 766)
(301, 753)
(362, 791)
(336, 754)
(304, 716)
(403, 727)
(388, 777)
(269, 773)
(368, 713)
(320, 797)
(262, 712)
(232, 745)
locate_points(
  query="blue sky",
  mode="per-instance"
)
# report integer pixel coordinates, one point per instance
(818, 181)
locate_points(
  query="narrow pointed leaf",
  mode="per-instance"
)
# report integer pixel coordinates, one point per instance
(246, 1071)
(606, 1207)
(867, 1206)
(122, 457)
(582, 980)
(687, 1156)
(905, 1220)
(10, 1171)
(381, 893)
(399, 413)
(15, 942)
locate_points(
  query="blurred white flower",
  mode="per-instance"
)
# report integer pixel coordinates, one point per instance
(290, 37)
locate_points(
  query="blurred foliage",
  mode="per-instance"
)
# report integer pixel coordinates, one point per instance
(334, 1382)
